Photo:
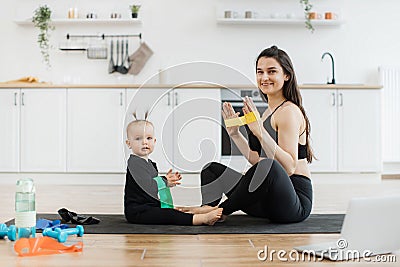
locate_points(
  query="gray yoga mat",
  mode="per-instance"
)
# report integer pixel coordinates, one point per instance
(235, 224)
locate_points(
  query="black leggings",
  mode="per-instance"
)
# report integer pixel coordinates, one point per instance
(264, 191)
(157, 215)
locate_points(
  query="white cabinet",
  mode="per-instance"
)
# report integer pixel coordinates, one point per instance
(187, 125)
(43, 130)
(158, 103)
(95, 130)
(359, 121)
(197, 128)
(321, 109)
(83, 130)
(9, 133)
(345, 129)
(33, 139)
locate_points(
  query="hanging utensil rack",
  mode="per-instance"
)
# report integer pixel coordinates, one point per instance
(103, 36)
(83, 46)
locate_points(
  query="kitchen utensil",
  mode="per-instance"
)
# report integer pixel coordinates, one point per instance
(117, 61)
(126, 59)
(120, 68)
(111, 65)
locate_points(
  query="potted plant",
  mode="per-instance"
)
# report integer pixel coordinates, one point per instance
(135, 10)
(307, 6)
(42, 19)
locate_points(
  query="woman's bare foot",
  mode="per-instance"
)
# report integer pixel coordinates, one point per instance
(223, 218)
(209, 218)
(197, 210)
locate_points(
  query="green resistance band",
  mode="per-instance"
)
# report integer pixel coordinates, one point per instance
(164, 193)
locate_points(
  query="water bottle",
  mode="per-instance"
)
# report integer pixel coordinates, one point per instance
(25, 210)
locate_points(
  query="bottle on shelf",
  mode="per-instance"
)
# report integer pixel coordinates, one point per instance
(25, 208)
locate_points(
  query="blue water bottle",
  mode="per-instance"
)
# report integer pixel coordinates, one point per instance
(25, 208)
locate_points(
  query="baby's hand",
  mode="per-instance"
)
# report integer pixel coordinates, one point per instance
(173, 178)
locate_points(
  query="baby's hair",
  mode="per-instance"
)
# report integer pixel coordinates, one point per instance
(146, 115)
(137, 122)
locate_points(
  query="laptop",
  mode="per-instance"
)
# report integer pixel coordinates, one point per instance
(371, 227)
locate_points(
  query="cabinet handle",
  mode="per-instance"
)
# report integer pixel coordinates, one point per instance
(340, 100)
(176, 98)
(22, 99)
(120, 99)
(169, 99)
(15, 98)
(333, 99)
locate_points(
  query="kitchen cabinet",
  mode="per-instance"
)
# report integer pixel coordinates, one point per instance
(36, 124)
(345, 129)
(197, 128)
(158, 103)
(43, 130)
(187, 125)
(9, 134)
(95, 125)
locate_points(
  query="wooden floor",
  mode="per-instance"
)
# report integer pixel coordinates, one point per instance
(178, 250)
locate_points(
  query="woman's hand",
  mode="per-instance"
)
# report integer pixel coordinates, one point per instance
(173, 178)
(229, 113)
(255, 127)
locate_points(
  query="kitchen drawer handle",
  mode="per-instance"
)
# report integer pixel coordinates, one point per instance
(169, 99)
(333, 99)
(176, 98)
(15, 98)
(22, 99)
(120, 99)
(340, 99)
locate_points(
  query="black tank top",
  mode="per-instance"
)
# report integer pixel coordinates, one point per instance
(255, 144)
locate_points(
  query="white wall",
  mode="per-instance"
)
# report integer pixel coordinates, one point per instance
(186, 30)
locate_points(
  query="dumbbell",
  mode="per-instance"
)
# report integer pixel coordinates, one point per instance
(62, 234)
(10, 232)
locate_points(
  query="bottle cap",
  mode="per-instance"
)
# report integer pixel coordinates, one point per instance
(25, 185)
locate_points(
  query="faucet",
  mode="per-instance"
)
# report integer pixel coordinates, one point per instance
(333, 66)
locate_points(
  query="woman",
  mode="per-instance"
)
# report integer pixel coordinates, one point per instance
(278, 185)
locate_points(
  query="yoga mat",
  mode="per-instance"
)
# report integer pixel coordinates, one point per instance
(235, 224)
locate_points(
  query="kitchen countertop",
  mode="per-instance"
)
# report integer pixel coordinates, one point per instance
(135, 86)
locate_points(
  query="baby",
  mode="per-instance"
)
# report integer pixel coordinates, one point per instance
(141, 202)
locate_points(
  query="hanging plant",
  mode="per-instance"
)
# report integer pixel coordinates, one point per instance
(307, 6)
(42, 19)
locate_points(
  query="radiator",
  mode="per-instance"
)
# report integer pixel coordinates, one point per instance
(390, 80)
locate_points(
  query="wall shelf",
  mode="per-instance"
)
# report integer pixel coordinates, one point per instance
(28, 22)
(279, 22)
